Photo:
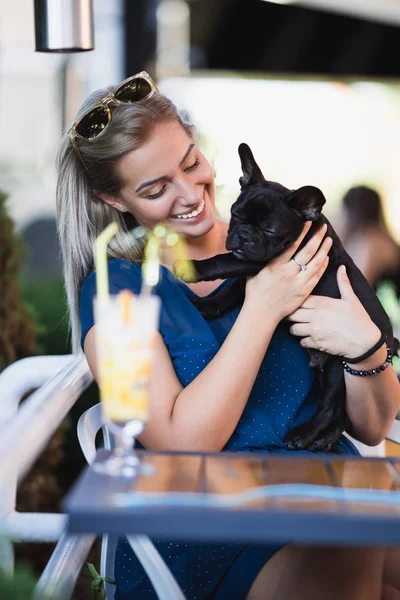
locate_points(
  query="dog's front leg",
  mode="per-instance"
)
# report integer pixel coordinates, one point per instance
(327, 438)
(221, 266)
(213, 307)
(329, 421)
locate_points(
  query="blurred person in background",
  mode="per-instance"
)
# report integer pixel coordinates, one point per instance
(366, 236)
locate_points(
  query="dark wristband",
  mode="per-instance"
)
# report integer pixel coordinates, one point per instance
(369, 352)
(368, 372)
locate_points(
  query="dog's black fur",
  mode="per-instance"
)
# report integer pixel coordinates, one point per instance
(265, 220)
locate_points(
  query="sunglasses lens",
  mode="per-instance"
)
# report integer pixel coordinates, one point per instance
(133, 90)
(93, 123)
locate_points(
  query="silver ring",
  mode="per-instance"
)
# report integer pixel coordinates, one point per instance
(302, 267)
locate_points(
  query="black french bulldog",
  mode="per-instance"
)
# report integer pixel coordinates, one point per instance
(265, 220)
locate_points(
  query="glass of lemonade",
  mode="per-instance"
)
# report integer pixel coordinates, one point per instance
(126, 325)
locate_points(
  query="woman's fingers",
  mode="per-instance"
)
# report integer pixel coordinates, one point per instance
(304, 313)
(318, 259)
(301, 315)
(287, 255)
(300, 329)
(312, 301)
(315, 276)
(287, 284)
(310, 250)
(307, 342)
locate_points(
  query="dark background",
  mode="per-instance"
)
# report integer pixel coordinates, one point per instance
(253, 35)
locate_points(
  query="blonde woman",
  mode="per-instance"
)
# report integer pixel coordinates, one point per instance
(234, 383)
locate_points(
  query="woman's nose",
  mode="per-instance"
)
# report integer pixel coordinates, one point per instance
(189, 193)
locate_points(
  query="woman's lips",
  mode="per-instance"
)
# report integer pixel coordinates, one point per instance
(200, 211)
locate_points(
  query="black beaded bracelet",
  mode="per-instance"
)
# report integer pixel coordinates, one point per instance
(368, 372)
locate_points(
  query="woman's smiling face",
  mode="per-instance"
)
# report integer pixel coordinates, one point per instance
(168, 180)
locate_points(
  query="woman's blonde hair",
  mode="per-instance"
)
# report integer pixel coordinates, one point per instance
(81, 216)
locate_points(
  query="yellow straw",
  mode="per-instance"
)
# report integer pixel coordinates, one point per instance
(151, 263)
(100, 260)
(151, 258)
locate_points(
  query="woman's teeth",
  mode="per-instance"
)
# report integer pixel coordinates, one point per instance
(192, 214)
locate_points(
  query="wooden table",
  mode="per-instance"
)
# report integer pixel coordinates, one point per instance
(248, 497)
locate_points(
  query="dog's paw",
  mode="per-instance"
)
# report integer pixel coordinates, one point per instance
(300, 437)
(320, 445)
(327, 438)
(185, 270)
(316, 435)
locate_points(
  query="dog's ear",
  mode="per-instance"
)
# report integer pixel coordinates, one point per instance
(251, 170)
(307, 202)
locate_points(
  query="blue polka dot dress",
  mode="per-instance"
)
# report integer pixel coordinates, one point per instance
(282, 397)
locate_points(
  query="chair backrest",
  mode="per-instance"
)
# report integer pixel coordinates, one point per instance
(25, 375)
(89, 424)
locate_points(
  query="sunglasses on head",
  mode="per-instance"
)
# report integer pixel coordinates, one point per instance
(94, 122)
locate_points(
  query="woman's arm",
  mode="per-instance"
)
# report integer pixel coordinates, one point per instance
(203, 415)
(372, 402)
(343, 327)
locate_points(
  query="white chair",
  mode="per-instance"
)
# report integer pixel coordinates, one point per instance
(378, 451)
(157, 571)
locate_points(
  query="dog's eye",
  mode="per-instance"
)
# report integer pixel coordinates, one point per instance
(277, 233)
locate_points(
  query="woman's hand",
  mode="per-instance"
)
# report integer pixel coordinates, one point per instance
(342, 327)
(282, 286)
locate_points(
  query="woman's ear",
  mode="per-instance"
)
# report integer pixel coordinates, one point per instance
(111, 200)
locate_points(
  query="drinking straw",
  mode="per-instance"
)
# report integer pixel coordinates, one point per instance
(151, 263)
(151, 258)
(100, 260)
(151, 254)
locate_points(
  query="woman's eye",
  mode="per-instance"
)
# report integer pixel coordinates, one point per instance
(157, 194)
(193, 166)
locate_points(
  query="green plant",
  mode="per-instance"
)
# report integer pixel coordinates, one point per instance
(387, 294)
(46, 300)
(20, 585)
(97, 587)
(17, 326)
